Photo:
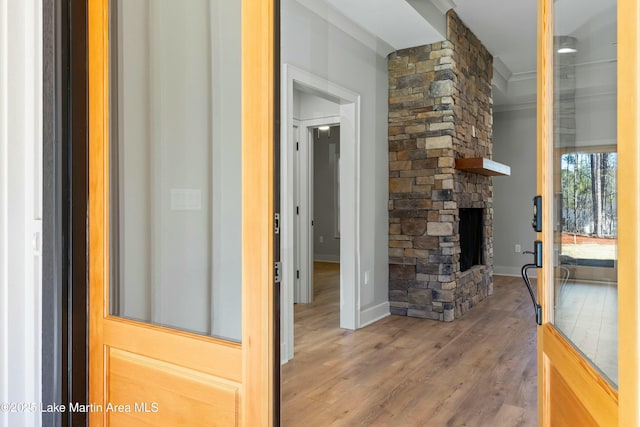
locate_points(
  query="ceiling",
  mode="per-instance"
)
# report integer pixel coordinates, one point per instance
(506, 27)
(381, 17)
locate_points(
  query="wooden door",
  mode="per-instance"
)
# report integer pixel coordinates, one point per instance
(151, 363)
(588, 361)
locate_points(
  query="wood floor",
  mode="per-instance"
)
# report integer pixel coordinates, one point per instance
(477, 371)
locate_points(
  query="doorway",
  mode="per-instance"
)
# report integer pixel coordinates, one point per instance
(347, 114)
(326, 193)
(316, 225)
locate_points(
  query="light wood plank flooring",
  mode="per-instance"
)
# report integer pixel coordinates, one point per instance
(477, 371)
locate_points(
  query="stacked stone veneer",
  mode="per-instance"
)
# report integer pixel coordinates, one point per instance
(437, 94)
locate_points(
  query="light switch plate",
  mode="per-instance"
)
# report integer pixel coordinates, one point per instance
(183, 199)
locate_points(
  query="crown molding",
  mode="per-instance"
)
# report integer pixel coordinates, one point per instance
(443, 5)
(501, 68)
(602, 93)
(501, 75)
(526, 75)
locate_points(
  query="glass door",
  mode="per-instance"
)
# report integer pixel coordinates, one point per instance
(181, 99)
(582, 179)
(585, 187)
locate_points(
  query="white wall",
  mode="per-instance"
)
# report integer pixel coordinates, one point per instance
(313, 107)
(20, 207)
(312, 44)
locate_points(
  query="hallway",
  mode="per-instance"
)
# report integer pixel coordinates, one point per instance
(479, 370)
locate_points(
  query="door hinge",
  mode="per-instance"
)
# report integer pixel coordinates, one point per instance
(276, 223)
(297, 274)
(297, 146)
(297, 210)
(277, 272)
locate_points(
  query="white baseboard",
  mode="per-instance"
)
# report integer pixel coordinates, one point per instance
(327, 258)
(284, 353)
(501, 270)
(373, 314)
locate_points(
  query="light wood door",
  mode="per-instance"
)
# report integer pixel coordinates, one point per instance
(588, 368)
(143, 371)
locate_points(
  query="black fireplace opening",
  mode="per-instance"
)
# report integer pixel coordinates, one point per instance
(470, 238)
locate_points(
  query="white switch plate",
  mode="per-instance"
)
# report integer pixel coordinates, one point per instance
(518, 249)
(183, 199)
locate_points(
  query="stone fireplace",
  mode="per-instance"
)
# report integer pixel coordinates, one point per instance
(440, 110)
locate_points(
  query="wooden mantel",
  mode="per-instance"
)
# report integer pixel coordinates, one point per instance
(483, 166)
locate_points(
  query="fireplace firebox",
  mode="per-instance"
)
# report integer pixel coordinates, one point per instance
(470, 238)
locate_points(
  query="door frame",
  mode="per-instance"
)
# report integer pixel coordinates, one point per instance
(259, 165)
(605, 405)
(350, 243)
(629, 210)
(53, 310)
(64, 203)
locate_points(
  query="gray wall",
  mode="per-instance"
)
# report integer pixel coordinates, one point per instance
(514, 143)
(326, 151)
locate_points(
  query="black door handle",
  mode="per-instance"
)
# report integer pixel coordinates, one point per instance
(536, 307)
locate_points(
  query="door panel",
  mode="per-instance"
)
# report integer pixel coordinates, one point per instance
(564, 408)
(581, 383)
(165, 375)
(578, 363)
(185, 396)
(180, 347)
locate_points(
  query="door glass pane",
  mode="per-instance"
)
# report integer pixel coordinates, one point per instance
(175, 164)
(585, 188)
